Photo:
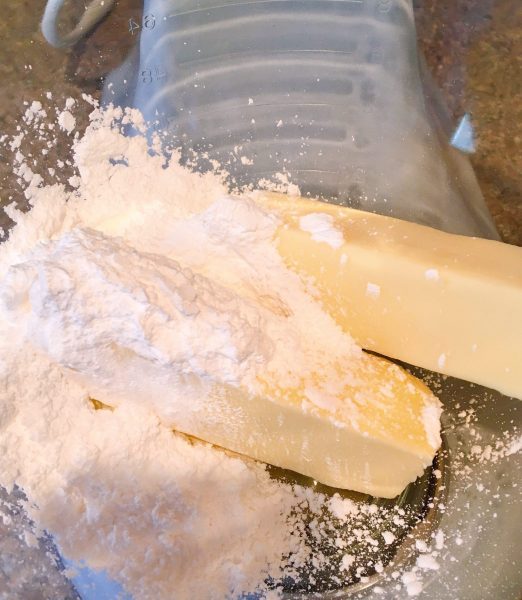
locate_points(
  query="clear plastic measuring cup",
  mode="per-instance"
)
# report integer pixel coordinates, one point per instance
(328, 91)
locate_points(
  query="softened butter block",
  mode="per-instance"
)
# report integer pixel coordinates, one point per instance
(448, 303)
(374, 436)
(135, 327)
(379, 438)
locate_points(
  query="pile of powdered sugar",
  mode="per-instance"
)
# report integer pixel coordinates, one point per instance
(89, 279)
(125, 494)
(163, 229)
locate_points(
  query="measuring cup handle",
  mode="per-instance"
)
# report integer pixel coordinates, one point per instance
(94, 12)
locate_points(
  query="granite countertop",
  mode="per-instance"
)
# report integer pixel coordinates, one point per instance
(472, 47)
(474, 51)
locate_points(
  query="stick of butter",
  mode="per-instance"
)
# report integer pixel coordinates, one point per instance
(136, 327)
(378, 448)
(375, 435)
(444, 302)
(379, 437)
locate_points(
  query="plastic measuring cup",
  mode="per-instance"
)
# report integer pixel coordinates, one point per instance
(327, 91)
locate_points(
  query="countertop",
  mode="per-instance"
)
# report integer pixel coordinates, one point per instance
(473, 49)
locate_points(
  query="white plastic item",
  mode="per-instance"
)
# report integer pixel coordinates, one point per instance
(326, 90)
(94, 12)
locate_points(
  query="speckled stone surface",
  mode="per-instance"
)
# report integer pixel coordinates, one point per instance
(474, 51)
(472, 47)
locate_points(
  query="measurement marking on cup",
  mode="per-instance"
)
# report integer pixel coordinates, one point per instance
(178, 14)
(133, 26)
(148, 22)
(154, 73)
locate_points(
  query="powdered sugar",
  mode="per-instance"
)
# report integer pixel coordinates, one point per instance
(373, 290)
(431, 419)
(431, 274)
(320, 225)
(66, 121)
(388, 537)
(145, 492)
(412, 583)
(427, 562)
(514, 446)
(103, 287)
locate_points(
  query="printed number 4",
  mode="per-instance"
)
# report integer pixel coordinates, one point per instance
(133, 26)
(149, 22)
